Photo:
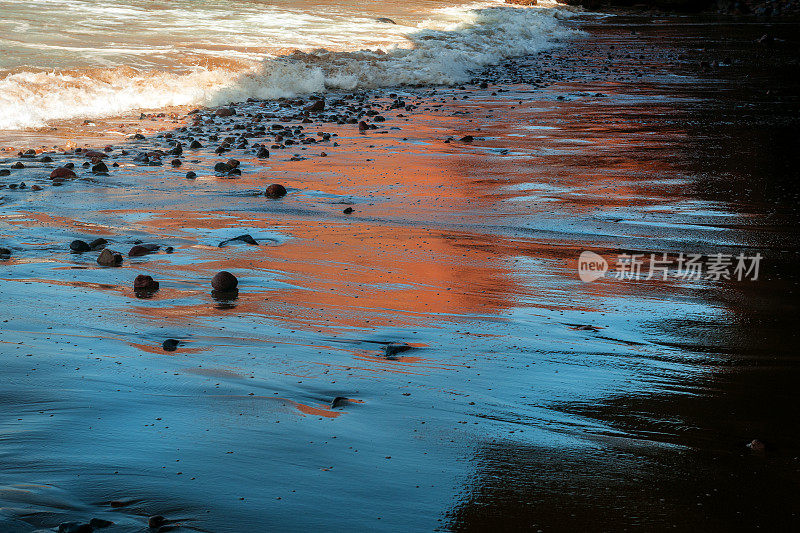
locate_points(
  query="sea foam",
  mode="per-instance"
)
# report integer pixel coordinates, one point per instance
(448, 48)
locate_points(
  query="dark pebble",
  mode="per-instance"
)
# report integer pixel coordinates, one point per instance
(224, 281)
(98, 244)
(347, 210)
(247, 238)
(275, 191)
(144, 283)
(191, 175)
(170, 345)
(79, 246)
(109, 257)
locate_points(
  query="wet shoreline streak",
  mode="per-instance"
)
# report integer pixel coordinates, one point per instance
(430, 359)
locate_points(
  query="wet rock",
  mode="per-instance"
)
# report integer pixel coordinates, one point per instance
(224, 281)
(363, 126)
(275, 190)
(18, 165)
(75, 527)
(155, 522)
(138, 137)
(391, 350)
(262, 153)
(99, 523)
(247, 238)
(316, 107)
(98, 243)
(178, 150)
(467, 138)
(145, 284)
(79, 246)
(46, 159)
(233, 163)
(339, 401)
(757, 445)
(222, 168)
(35, 188)
(62, 173)
(109, 258)
(5, 172)
(225, 112)
(170, 345)
(195, 145)
(191, 175)
(385, 20)
(176, 162)
(142, 249)
(100, 168)
(347, 210)
(5, 253)
(92, 154)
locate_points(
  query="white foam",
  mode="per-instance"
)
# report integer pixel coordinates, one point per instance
(446, 49)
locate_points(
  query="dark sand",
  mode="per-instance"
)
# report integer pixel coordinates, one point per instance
(505, 413)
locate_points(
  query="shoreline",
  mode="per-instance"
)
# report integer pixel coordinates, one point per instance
(432, 351)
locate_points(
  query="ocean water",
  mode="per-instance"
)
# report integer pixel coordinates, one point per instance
(67, 59)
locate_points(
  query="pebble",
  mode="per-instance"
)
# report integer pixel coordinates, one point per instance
(109, 257)
(62, 172)
(144, 283)
(143, 249)
(170, 345)
(275, 191)
(247, 238)
(224, 281)
(79, 246)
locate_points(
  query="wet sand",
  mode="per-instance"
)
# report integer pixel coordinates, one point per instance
(506, 410)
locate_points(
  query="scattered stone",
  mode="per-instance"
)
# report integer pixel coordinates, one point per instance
(62, 172)
(18, 165)
(79, 246)
(363, 126)
(170, 345)
(225, 112)
(194, 145)
(262, 153)
(92, 154)
(247, 238)
(275, 191)
(145, 284)
(5, 253)
(109, 258)
(156, 521)
(467, 138)
(339, 401)
(316, 107)
(385, 20)
(143, 249)
(222, 168)
(99, 523)
(100, 168)
(224, 281)
(98, 243)
(191, 175)
(347, 210)
(392, 350)
(5, 172)
(176, 162)
(757, 445)
(35, 188)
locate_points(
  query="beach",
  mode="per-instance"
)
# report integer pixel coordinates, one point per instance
(410, 345)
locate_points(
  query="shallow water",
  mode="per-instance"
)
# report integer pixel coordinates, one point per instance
(508, 409)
